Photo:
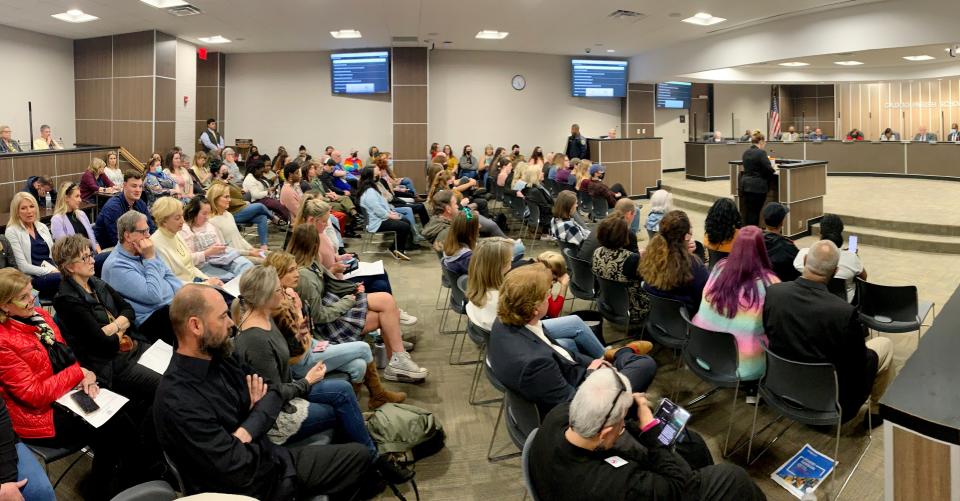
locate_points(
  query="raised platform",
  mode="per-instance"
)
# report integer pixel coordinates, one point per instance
(894, 213)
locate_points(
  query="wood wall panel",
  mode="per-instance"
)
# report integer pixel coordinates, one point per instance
(137, 137)
(166, 100)
(164, 137)
(93, 99)
(921, 467)
(208, 71)
(94, 131)
(645, 176)
(902, 105)
(166, 53)
(410, 94)
(410, 142)
(34, 165)
(410, 66)
(133, 98)
(133, 54)
(206, 103)
(413, 169)
(6, 195)
(72, 165)
(6, 173)
(410, 105)
(93, 58)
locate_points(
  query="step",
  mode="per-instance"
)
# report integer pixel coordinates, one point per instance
(686, 193)
(691, 204)
(945, 230)
(901, 240)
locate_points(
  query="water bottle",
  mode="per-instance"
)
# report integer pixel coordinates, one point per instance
(47, 201)
(379, 350)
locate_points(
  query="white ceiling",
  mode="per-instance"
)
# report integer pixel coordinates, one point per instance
(538, 26)
(877, 58)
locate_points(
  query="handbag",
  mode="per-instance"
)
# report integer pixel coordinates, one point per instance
(288, 423)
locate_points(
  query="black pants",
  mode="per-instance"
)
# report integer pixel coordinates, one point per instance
(638, 369)
(404, 232)
(343, 471)
(752, 203)
(418, 210)
(618, 188)
(158, 326)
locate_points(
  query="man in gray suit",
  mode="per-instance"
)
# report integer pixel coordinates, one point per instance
(923, 135)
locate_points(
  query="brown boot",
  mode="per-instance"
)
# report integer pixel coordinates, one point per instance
(638, 347)
(356, 389)
(378, 394)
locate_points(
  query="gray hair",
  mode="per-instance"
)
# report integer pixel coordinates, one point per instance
(44, 126)
(594, 399)
(822, 259)
(229, 151)
(127, 223)
(256, 286)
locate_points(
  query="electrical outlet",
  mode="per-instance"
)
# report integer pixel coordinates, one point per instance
(643, 131)
(638, 131)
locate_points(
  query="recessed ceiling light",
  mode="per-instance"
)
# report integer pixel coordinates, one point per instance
(848, 63)
(922, 57)
(345, 34)
(704, 19)
(74, 16)
(214, 39)
(492, 35)
(795, 63)
(164, 4)
(611, 50)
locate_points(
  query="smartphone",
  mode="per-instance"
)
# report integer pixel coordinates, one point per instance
(351, 264)
(852, 244)
(87, 405)
(321, 346)
(674, 419)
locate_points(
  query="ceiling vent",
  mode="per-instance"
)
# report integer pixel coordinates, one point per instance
(404, 40)
(184, 10)
(626, 14)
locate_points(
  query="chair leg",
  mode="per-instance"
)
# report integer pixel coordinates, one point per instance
(441, 306)
(493, 436)
(753, 428)
(463, 341)
(733, 412)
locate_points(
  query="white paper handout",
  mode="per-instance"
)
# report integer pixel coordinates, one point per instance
(366, 270)
(157, 357)
(108, 401)
(233, 287)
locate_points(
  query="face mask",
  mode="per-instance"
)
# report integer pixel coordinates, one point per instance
(390, 162)
(225, 175)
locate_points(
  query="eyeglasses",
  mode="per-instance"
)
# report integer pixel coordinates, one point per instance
(83, 257)
(621, 389)
(142, 232)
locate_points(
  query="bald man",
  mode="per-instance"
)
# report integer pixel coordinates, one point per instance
(212, 416)
(807, 323)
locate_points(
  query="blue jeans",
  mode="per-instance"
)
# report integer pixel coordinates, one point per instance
(409, 185)
(351, 358)
(228, 272)
(407, 214)
(335, 397)
(635, 224)
(472, 174)
(38, 485)
(573, 334)
(258, 214)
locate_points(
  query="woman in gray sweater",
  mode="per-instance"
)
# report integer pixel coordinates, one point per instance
(468, 163)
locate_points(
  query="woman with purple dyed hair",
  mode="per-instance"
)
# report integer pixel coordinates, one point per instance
(733, 299)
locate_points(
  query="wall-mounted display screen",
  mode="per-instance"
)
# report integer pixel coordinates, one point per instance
(674, 95)
(599, 78)
(360, 72)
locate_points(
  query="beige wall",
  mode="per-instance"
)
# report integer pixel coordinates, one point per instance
(472, 101)
(874, 106)
(674, 134)
(186, 115)
(37, 68)
(749, 104)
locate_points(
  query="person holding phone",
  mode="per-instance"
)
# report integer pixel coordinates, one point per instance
(850, 266)
(605, 444)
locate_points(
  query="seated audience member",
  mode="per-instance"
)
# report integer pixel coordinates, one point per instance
(467, 166)
(99, 324)
(569, 457)
(923, 135)
(399, 184)
(597, 189)
(806, 132)
(854, 135)
(128, 199)
(40, 187)
(199, 170)
(335, 180)
(37, 368)
(817, 135)
(557, 163)
(564, 175)
(889, 135)
(580, 174)
(68, 219)
(780, 249)
(747, 135)
(850, 267)
(733, 299)
(536, 160)
(46, 140)
(557, 265)
(790, 135)
(7, 144)
(214, 417)
(954, 134)
(262, 192)
(291, 195)
(526, 360)
(339, 170)
(460, 241)
(721, 226)
(112, 169)
(31, 241)
(535, 192)
(626, 210)
(176, 169)
(220, 260)
(405, 205)
(168, 213)
(94, 180)
(615, 260)
(661, 202)
(21, 476)
(668, 266)
(445, 206)
(159, 182)
(342, 311)
(807, 323)
(381, 217)
(261, 345)
(504, 169)
(230, 163)
(464, 187)
(564, 226)
(352, 164)
(226, 220)
(135, 271)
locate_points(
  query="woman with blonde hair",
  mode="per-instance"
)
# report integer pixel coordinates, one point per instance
(199, 171)
(94, 180)
(168, 214)
(226, 221)
(581, 173)
(112, 168)
(557, 265)
(68, 219)
(31, 242)
(461, 239)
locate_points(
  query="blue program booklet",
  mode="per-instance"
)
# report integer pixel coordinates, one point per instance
(804, 472)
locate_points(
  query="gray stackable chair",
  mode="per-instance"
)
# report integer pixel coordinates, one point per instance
(480, 337)
(525, 464)
(665, 322)
(53, 454)
(496, 425)
(892, 309)
(157, 490)
(601, 207)
(532, 220)
(458, 304)
(582, 282)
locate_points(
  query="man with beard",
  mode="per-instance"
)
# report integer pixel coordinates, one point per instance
(212, 415)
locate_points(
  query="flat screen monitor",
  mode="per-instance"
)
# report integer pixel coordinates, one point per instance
(599, 78)
(360, 72)
(673, 95)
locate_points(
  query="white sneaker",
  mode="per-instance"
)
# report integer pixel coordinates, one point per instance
(407, 319)
(403, 369)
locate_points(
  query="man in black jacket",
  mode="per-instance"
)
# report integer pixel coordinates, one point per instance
(577, 146)
(579, 452)
(781, 250)
(807, 323)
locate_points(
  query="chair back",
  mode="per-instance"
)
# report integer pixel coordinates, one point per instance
(714, 257)
(172, 468)
(488, 370)
(522, 417)
(899, 303)
(155, 490)
(613, 301)
(458, 294)
(600, 208)
(838, 287)
(525, 464)
(443, 277)
(477, 334)
(712, 355)
(585, 201)
(800, 386)
(665, 322)
(581, 276)
(533, 216)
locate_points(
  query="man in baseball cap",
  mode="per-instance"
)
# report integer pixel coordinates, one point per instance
(781, 249)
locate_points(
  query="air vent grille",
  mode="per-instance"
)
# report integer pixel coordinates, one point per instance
(184, 10)
(405, 39)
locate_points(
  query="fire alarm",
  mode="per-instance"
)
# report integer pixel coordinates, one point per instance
(202, 53)
(186, 99)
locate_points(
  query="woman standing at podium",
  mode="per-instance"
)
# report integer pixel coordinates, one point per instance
(755, 179)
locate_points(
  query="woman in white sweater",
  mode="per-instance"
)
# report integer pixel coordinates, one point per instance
(201, 236)
(31, 242)
(168, 214)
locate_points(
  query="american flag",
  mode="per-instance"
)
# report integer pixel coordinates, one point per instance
(774, 112)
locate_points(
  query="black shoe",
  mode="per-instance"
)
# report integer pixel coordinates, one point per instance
(392, 472)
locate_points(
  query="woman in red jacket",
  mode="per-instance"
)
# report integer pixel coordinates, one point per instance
(37, 368)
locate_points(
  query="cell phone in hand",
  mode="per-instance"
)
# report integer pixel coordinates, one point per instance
(321, 346)
(87, 405)
(351, 265)
(852, 244)
(674, 419)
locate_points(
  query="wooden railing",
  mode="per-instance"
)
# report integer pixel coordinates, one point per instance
(132, 160)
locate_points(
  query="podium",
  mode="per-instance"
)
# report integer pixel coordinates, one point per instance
(800, 185)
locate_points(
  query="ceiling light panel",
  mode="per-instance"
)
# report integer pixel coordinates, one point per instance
(704, 19)
(848, 63)
(922, 57)
(794, 64)
(214, 39)
(492, 35)
(164, 4)
(74, 16)
(345, 34)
